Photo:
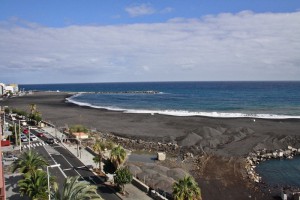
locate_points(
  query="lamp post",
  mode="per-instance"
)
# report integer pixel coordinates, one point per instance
(48, 176)
(78, 142)
(20, 137)
(29, 136)
(79, 148)
(15, 129)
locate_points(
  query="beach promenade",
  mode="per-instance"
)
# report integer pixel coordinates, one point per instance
(86, 157)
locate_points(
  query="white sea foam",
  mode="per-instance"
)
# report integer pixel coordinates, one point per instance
(71, 100)
(183, 113)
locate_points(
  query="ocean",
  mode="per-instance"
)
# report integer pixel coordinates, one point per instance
(282, 173)
(212, 99)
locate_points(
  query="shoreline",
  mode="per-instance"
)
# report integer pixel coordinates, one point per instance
(224, 141)
(178, 113)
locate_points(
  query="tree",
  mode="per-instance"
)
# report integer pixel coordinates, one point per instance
(6, 110)
(97, 161)
(35, 185)
(29, 161)
(122, 177)
(77, 190)
(35, 117)
(118, 156)
(15, 133)
(19, 112)
(32, 108)
(99, 147)
(186, 189)
(110, 144)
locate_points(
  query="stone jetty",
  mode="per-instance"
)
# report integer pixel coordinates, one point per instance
(256, 157)
(121, 92)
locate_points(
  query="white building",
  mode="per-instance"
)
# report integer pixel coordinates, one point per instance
(9, 89)
(15, 87)
(2, 88)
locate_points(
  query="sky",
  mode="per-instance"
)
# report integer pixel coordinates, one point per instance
(82, 41)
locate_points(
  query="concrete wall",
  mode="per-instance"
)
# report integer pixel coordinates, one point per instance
(139, 184)
(155, 195)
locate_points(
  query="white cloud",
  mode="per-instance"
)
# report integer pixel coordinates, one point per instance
(244, 46)
(166, 10)
(138, 10)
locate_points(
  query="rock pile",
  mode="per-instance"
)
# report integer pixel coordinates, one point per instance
(139, 144)
(256, 157)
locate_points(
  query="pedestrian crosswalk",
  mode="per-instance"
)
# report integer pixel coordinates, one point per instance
(34, 145)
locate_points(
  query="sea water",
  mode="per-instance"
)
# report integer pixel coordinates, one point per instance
(213, 99)
(284, 172)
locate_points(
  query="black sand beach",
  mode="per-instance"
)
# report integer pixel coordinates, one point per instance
(226, 141)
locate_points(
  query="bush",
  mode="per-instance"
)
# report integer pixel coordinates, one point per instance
(122, 177)
(7, 110)
(78, 128)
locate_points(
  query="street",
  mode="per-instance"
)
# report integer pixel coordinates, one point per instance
(70, 165)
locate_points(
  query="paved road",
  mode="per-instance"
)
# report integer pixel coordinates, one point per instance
(57, 172)
(73, 167)
(70, 165)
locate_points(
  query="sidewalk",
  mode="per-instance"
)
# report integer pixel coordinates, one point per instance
(87, 158)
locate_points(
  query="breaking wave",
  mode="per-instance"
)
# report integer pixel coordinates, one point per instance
(183, 113)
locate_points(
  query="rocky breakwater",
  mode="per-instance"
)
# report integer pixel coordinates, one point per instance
(130, 92)
(254, 158)
(171, 148)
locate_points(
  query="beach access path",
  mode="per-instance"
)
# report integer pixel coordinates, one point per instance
(87, 158)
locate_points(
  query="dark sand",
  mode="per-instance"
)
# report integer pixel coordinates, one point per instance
(231, 138)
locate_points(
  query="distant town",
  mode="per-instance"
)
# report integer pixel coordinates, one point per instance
(9, 90)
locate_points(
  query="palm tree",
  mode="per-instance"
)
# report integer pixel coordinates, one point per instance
(186, 189)
(29, 161)
(32, 108)
(118, 156)
(99, 147)
(97, 161)
(35, 185)
(110, 144)
(77, 190)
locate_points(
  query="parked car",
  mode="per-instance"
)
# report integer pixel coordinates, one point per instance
(40, 134)
(50, 141)
(26, 131)
(23, 122)
(10, 158)
(33, 138)
(24, 139)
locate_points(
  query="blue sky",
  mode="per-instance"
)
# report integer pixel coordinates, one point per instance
(57, 13)
(168, 40)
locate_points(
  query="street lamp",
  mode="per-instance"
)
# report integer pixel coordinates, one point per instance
(29, 136)
(51, 166)
(20, 136)
(78, 141)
